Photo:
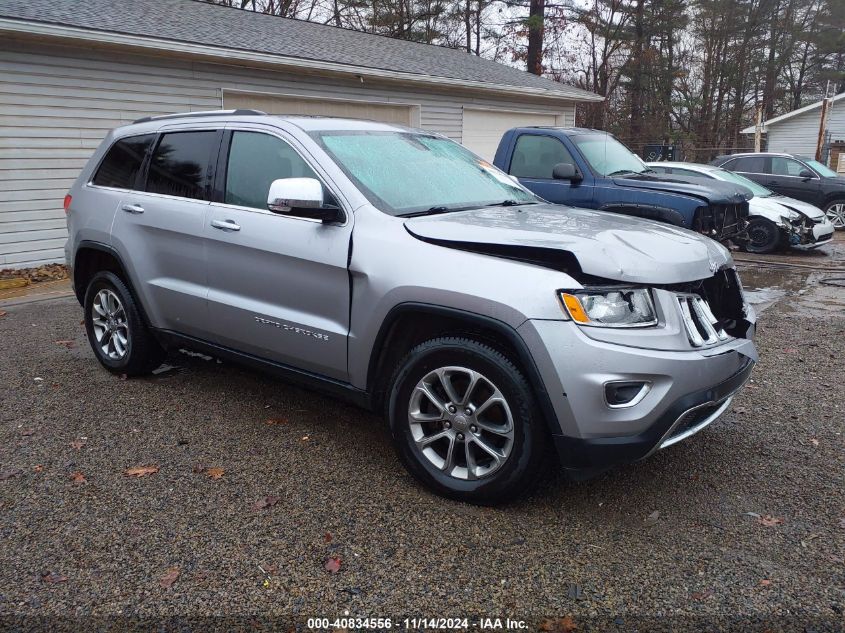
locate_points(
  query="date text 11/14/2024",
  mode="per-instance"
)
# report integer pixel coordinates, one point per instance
(413, 624)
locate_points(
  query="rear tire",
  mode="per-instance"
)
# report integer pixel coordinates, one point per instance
(118, 336)
(764, 236)
(465, 422)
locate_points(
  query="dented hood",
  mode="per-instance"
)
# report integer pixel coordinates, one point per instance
(606, 245)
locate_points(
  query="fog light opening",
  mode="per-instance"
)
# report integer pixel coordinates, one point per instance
(625, 393)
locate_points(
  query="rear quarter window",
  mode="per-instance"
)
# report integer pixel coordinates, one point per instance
(180, 164)
(122, 163)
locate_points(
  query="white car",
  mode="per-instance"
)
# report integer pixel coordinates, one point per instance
(774, 220)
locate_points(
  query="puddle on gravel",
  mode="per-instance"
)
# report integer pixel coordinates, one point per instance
(809, 293)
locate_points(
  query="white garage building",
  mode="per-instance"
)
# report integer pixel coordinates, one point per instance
(70, 71)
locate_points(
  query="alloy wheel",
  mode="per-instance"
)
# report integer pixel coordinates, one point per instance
(836, 214)
(111, 328)
(461, 423)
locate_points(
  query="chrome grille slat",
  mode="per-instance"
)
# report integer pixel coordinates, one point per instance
(699, 321)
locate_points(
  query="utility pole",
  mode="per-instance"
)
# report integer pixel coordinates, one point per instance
(823, 124)
(758, 128)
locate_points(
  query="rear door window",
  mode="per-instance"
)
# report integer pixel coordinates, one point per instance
(748, 164)
(123, 161)
(255, 161)
(180, 164)
(535, 156)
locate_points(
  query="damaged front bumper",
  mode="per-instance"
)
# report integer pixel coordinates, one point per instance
(619, 395)
(805, 233)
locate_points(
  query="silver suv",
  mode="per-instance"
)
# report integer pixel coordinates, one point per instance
(394, 268)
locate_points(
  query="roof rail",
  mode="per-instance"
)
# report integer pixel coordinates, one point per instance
(186, 115)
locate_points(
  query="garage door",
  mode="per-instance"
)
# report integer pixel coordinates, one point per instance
(482, 129)
(280, 104)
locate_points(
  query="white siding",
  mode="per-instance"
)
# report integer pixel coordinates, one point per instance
(799, 134)
(57, 103)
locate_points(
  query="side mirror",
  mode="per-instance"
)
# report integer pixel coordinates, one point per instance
(301, 198)
(806, 174)
(566, 171)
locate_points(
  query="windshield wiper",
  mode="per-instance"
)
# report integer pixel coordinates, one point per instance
(511, 203)
(619, 172)
(432, 211)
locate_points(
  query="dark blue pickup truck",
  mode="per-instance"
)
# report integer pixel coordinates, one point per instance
(588, 168)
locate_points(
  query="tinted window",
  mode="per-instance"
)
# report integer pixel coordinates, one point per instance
(749, 164)
(536, 156)
(255, 161)
(659, 169)
(786, 166)
(179, 166)
(123, 161)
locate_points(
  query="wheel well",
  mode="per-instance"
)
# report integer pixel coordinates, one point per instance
(410, 328)
(90, 261)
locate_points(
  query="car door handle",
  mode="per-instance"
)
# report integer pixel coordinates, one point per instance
(226, 225)
(132, 208)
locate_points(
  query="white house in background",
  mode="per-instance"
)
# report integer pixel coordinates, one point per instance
(797, 132)
(71, 70)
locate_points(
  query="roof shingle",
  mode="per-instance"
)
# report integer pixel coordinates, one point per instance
(223, 27)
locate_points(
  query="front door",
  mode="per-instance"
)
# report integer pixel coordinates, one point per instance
(786, 179)
(534, 158)
(278, 285)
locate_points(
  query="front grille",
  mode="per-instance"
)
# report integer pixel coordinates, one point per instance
(702, 327)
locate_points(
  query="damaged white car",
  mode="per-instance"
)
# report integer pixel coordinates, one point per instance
(774, 221)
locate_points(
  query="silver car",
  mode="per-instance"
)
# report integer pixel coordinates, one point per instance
(394, 268)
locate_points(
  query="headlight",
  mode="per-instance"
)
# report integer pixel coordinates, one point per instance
(628, 307)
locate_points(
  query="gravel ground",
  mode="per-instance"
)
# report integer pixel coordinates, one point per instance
(741, 527)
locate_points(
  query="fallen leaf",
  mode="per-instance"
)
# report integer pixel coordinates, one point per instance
(3, 313)
(765, 582)
(67, 344)
(78, 478)
(814, 441)
(28, 432)
(269, 569)
(559, 625)
(124, 377)
(140, 471)
(170, 576)
(701, 595)
(327, 537)
(265, 503)
(198, 468)
(276, 421)
(332, 564)
(740, 410)
(214, 473)
(77, 444)
(8, 474)
(652, 518)
(38, 468)
(770, 521)
(52, 577)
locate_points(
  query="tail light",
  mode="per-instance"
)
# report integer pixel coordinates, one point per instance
(68, 199)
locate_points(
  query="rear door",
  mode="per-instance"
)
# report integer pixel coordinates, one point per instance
(532, 160)
(278, 285)
(159, 230)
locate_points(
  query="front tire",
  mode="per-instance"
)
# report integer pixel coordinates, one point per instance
(835, 212)
(764, 236)
(117, 333)
(465, 421)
